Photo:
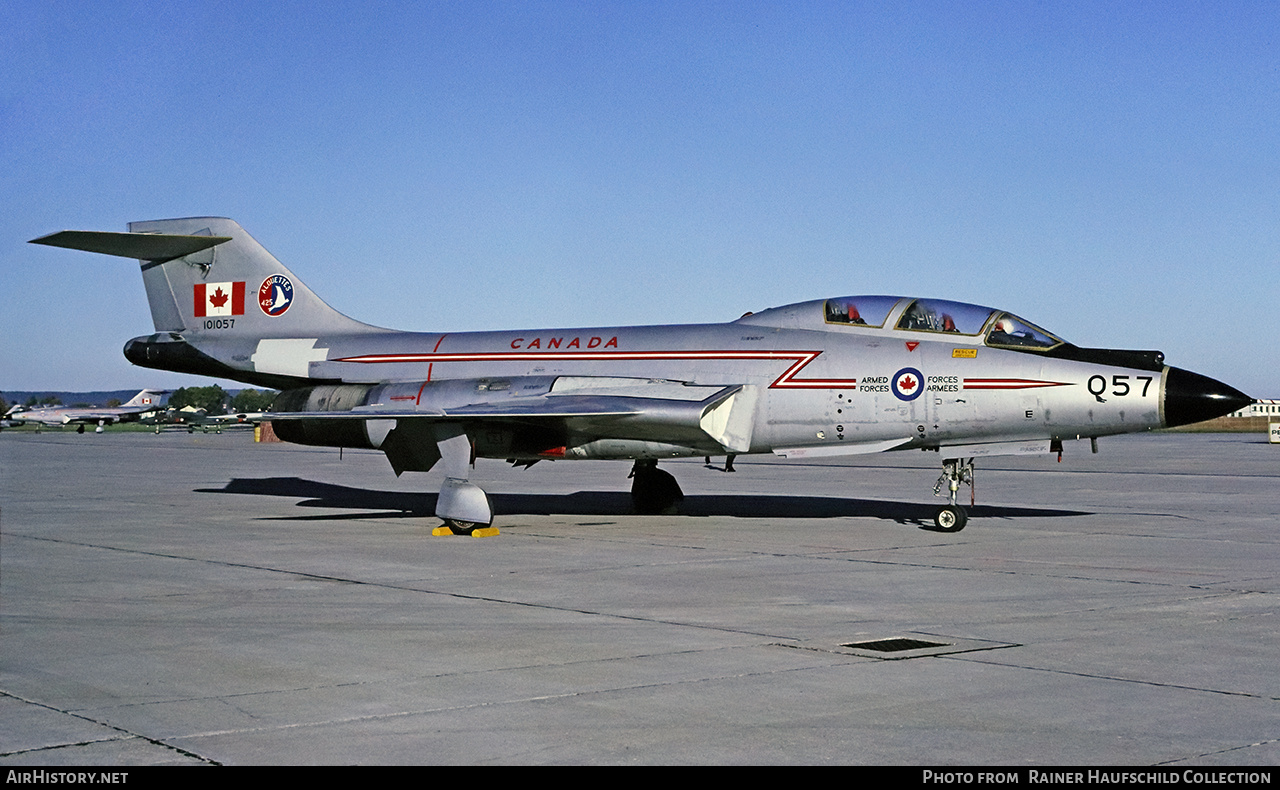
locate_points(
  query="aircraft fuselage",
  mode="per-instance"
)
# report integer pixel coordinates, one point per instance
(846, 375)
(850, 388)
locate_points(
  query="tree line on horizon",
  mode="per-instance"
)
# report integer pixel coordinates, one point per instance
(213, 399)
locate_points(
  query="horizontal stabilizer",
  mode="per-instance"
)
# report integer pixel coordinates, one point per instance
(155, 247)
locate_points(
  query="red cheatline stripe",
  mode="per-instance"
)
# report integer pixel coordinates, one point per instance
(1010, 384)
(430, 366)
(786, 381)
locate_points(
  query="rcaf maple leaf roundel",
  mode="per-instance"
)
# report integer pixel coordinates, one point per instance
(908, 384)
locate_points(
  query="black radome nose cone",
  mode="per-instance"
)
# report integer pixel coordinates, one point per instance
(1190, 397)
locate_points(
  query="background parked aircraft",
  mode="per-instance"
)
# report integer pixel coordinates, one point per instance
(189, 418)
(148, 400)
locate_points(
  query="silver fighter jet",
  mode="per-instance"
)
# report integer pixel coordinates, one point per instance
(101, 416)
(830, 377)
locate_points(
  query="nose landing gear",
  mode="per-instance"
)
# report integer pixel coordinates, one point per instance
(955, 471)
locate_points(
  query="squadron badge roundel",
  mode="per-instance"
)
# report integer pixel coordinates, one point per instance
(275, 295)
(908, 384)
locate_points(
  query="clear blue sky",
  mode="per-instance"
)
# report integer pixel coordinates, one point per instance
(1108, 170)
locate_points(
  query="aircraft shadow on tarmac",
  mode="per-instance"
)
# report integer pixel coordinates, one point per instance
(400, 504)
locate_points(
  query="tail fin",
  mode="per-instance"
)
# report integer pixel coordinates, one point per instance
(205, 274)
(150, 398)
(237, 279)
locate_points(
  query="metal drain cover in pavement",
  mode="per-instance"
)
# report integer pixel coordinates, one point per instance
(895, 645)
(901, 646)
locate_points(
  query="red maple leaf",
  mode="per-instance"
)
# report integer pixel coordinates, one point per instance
(218, 298)
(907, 384)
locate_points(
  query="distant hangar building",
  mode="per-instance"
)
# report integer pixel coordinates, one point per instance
(1263, 407)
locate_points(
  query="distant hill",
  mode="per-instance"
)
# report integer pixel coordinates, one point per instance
(94, 398)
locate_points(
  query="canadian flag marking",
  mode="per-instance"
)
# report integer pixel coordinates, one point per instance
(215, 299)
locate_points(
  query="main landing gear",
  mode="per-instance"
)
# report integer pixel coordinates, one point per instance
(653, 491)
(463, 506)
(955, 471)
(455, 527)
(465, 509)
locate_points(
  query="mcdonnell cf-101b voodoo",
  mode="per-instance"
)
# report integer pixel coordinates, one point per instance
(140, 404)
(830, 377)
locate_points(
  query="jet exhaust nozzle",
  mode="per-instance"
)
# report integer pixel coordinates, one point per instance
(1190, 397)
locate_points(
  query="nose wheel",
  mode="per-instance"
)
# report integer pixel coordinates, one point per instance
(955, 472)
(951, 518)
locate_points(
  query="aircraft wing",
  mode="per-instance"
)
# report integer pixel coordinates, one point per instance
(712, 419)
(68, 418)
(91, 417)
(237, 417)
(109, 415)
(21, 418)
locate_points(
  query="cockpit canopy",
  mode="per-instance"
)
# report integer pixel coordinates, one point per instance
(994, 327)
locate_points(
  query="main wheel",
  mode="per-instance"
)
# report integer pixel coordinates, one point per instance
(951, 518)
(461, 527)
